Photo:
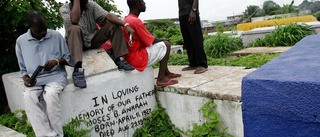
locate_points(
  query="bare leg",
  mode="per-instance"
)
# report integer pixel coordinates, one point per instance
(163, 70)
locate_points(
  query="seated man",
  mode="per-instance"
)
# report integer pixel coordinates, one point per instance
(145, 49)
(47, 48)
(80, 18)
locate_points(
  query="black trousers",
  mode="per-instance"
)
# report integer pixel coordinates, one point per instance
(193, 41)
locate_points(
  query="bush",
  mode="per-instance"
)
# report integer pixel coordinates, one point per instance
(72, 129)
(286, 35)
(217, 46)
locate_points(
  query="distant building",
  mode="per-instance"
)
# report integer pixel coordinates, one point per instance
(234, 19)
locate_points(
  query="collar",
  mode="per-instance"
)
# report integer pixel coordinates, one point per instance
(30, 37)
(132, 15)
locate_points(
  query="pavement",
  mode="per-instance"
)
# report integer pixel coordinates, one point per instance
(219, 82)
(259, 50)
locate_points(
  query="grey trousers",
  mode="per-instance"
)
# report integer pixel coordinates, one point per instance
(109, 31)
(44, 123)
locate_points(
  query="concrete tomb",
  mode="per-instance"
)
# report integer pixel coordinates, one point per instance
(114, 102)
(282, 97)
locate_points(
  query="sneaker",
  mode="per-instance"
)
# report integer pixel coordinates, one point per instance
(124, 65)
(78, 78)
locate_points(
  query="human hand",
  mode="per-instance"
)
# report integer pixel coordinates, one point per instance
(129, 31)
(26, 79)
(50, 64)
(192, 17)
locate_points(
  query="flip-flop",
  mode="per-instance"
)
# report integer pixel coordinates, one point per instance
(200, 70)
(188, 68)
(175, 76)
(170, 82)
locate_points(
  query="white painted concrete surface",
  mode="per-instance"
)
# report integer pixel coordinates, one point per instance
(114, 102)
(220, 83)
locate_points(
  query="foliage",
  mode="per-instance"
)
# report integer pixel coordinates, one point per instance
(278, 17)
(209, 128)
(160, 25)
(13, 23)
(165, 29)
(270, 7)
(20, 125)
(109, 6)
(217, 46)
(316, 15)
(72, 129)
(288, 8)
(249, 61)
(219, 28)
(314, 6)
(283, 35)
(158, 124)
(231, 27)
(11, 121)
(252, 11)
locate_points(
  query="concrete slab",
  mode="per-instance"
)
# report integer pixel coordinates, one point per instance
(114, 102)
(222, 84)
(284, 93)
(8, 132)
(259, 50)
(210, 83)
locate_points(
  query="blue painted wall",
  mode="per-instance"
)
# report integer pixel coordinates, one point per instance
(282, 97)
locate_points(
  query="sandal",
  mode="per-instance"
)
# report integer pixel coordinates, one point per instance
(170, 82)
(200, 70)
(188, 68)
(174, 76)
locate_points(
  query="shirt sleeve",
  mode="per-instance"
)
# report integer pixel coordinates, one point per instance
(144, 35)
(64, 50)
(23, 70)
(99, 13)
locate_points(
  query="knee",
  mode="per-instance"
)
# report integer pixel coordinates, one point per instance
(74, 29)
(168, 45)
(51, 96)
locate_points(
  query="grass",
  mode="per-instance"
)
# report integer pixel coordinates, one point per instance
(283, 35)
(249, 61)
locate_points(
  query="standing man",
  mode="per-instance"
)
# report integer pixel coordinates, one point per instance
(192, 35)
(47, 48)
(80, 18)
(145, 49)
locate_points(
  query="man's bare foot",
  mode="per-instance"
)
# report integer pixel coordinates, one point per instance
(173, 75)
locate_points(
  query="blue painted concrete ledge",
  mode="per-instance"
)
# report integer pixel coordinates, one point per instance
(282, 97)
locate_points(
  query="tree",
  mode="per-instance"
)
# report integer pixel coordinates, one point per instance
(108, 6)
(13, 24)
(288, 8)
(270, 7)
(252, 11)
(159, 25)
(305, 5)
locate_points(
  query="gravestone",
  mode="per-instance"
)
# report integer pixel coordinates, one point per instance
(114, 102)
(281, 98)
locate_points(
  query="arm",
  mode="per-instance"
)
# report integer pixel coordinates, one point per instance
(75, 12)
(156, 40)
(51, 63)
(193, 14)
(114, 19)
